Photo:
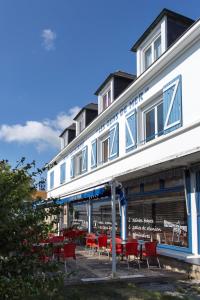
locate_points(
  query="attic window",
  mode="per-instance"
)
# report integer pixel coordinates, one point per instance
(106, 99)
(152, 52)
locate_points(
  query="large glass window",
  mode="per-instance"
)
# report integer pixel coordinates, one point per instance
(101, 216)
(153, 122)
(62, 173)
(78, 163)
(163, 219)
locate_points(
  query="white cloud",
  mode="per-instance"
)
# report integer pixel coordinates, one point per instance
(48, 37)
(42, 134)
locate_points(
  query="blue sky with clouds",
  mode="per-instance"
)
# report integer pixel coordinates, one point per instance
(53, 56)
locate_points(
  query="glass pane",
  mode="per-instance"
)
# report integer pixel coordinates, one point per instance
(150, 125)
(148, 58)
(104, 101)
(105, 150)
(160, 119)
(109, 98)
(157, 48)
(163, 219)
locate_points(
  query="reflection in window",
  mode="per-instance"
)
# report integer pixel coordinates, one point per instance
(163, 219)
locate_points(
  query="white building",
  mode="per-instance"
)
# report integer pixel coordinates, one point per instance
(146, 136)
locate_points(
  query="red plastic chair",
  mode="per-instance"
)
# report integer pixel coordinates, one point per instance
(57, 249)
(131, 248)
(69, 252)
(150, 252)
(91, 242)
(102, 244)
(118, 245)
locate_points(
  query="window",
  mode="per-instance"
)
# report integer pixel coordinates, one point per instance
(81, 124)
(62, 173)
(152, 52)
(105, 151)
(157, 48)
(78, 164)
(106, 99)
(52, 180)
(154, 122)
(148, 58)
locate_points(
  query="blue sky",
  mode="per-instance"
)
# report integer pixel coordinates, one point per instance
(54, 54)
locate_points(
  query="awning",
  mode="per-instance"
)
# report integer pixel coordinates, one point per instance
(95, 192)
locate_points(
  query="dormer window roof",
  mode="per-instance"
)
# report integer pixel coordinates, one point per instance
(117, 74)
(178, 18)
(85, 116)
(90, 106)
(71, 127)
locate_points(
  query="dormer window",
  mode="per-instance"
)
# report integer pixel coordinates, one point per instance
(106, 99)
(152, 52)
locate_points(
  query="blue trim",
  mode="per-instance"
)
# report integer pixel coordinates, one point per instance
(159, 191)
(175, 248)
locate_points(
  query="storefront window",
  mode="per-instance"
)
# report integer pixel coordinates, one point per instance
(101, 216)
(163, 219)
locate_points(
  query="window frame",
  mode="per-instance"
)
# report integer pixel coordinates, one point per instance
(101, 140)
(51, 180)
(151, 45)
(152, 106)
(63, 165)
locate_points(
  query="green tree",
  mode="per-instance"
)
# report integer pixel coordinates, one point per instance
(22, 273)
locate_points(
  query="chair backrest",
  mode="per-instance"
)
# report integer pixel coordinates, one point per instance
(102, 241)
(118, 245)
(150, 248)
(132, 248)
(69, 250)
(57, 239)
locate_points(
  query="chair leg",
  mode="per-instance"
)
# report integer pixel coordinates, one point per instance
(158, 263)
(138, 260)
(148, 262)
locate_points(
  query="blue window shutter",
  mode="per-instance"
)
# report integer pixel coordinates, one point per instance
(52, 180)
(62, 173)
(114, 141)
(84, 159)
(172, 105)
(94, 154)
(131, 131)
(72, 167)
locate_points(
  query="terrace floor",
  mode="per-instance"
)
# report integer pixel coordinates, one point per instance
(89, 267)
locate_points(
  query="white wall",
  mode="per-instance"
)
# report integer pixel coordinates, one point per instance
(181, 141)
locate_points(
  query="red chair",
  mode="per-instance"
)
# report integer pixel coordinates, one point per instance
(102, 244)
(150, 252)
(131, 248)
(91, 242)
(57, 249)
(118, 245)
(69, 252)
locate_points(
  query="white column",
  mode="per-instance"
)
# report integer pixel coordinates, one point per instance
(113, 204)
(89, 216)
(123, 222)
(194, 230)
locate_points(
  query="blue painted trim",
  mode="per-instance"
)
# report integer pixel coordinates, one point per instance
(175, 248)
(157, 192)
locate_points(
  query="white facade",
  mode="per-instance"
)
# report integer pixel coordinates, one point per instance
(179, 66)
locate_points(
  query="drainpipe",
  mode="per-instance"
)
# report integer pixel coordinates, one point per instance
(113, 205)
